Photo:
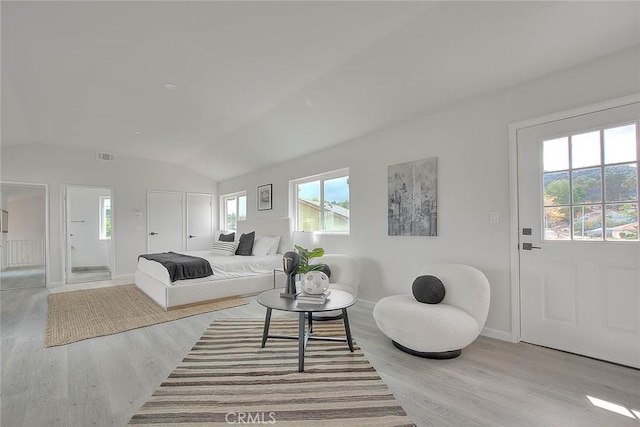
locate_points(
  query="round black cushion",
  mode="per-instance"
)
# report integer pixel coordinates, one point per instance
(428, 289)
(326, 270)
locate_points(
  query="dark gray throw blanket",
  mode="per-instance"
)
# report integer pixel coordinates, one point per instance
(181, 266)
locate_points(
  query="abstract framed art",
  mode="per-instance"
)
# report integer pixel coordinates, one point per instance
(412, 198)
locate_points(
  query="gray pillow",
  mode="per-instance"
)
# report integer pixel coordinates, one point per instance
(428, 289)
(245, 247)
(227, 237)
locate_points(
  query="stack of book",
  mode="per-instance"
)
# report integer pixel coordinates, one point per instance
(313, 298)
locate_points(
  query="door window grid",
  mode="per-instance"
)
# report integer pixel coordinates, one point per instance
(234, 209)
(587, 174)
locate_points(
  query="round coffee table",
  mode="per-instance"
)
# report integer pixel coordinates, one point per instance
(337, 300)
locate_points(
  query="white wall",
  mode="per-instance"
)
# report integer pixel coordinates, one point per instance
(26, 213)
(129, 177)
(87, 250)
(471, 143)
(24, 241)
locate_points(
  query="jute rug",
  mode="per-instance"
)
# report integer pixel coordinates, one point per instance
(227, 378)
(78, 315)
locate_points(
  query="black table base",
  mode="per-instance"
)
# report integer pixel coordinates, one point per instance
(306, 334)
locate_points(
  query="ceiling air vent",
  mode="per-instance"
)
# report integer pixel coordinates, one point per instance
(106, 157)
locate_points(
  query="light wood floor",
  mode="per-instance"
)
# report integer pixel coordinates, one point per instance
(91, 274)
(32, 276)
(104, 381)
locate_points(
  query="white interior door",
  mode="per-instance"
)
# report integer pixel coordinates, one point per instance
(165, 221)
(578, 233)
(199, 221)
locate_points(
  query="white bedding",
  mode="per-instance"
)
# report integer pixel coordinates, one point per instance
(224, 267)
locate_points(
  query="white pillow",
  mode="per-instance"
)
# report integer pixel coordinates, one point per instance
(224, 248)
(273, 250)
(262, 245)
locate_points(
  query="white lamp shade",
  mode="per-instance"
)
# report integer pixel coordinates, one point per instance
(305, 239)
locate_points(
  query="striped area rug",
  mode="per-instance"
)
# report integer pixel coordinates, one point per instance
(227, 378)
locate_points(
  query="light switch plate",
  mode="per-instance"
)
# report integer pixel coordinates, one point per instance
(494, 217)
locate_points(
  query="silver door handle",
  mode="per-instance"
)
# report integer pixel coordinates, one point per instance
(153, 233)
(191, 236)
(529, 246)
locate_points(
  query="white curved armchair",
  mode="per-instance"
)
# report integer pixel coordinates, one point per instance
(345, 276)
(438, 331)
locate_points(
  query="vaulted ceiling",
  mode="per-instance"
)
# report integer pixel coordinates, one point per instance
(225, 88)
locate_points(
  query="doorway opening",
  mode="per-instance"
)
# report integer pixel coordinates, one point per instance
(89, 239)
(23, 237)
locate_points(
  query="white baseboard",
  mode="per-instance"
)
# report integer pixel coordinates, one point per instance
(53, 285)
(124, 279)
(497, 334)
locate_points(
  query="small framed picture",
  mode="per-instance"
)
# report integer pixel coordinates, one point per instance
(264, 197)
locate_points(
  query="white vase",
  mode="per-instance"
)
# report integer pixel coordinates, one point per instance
(315, 282)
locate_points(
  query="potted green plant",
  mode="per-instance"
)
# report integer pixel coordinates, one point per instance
(305, 256)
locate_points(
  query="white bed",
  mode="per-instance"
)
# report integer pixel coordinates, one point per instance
(233, 275)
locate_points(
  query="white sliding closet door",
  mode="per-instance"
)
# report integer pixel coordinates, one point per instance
(165, 221)
(199, 221)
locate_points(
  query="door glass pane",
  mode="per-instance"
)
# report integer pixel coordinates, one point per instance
(556, 188)
(585, 149)
(621, 183)
(309, 206)
(105, 218)
(556, 154)
(587, 222)
(620, 144)
(557, 223)
(231, 214)
(242, 208)
(622, 221)
(336, 204)
(587, 186)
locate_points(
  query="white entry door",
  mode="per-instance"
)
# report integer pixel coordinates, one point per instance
(578, 235)
(165, 222)
(199, 221)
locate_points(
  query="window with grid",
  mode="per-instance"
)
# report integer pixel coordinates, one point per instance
(322, 202)
(590, 183)
(234, 209)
